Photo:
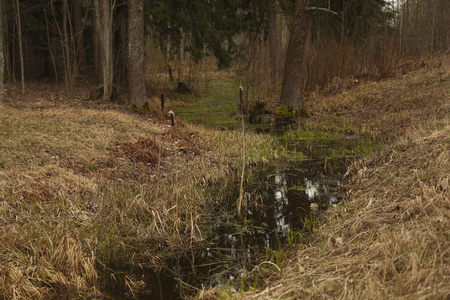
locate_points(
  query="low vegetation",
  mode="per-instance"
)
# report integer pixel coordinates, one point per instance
(390, 238)
(91, 191)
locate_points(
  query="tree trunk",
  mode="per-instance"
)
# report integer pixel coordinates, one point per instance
(273, 40)
(96, 45)
(292, 89)
(66, 49)
(50, 45)
(104, 24)
(78, 28)
(19, 31)
(2, 57)
(121, 46)
(136, 71)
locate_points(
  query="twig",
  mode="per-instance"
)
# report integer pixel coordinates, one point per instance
(266, 291)
(267, 262)
(322, 9)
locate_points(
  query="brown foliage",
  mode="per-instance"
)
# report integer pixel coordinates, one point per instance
(144, 150)
(185, 143)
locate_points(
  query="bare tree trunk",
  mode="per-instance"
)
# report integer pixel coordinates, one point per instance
(96, 46)
(50, 46)
(433, 13)
(136, 70)
(19, 31)
(292, 89)
(78, 30)
(65, 44)
(104, 24)
(273, 40)
(179, 60)
(2, 57)
(121, 50)
(402, 21)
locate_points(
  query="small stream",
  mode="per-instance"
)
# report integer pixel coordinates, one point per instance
(282, 204)
(278, 211)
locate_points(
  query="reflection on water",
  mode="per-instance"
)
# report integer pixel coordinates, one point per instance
(277, 203)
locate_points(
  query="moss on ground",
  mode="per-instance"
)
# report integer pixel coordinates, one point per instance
(217, 108)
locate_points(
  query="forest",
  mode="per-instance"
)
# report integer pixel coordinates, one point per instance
(234, 149)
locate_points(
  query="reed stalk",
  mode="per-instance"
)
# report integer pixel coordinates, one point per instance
(241, 188)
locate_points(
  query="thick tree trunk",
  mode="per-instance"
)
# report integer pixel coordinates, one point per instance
(292, 89)
(104, 24)
(2, 57)
(273, 40)
(136, 72)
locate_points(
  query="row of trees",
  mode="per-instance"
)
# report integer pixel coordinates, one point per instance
(103, 40)
(74, 39)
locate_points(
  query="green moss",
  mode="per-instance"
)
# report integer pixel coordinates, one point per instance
(217, 108)
(304, 113)
(146, 108)
(284, 116)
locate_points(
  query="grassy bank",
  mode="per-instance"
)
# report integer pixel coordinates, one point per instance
(91, 191)
(390, 238)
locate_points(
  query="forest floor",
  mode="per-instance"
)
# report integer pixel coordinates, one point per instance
(92, 190)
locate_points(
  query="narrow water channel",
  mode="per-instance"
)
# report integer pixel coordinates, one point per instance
(281, 203)
(278, 206)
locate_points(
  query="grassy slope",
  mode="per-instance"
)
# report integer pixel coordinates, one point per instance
(391, 239)
(76, 207)
(89, 190)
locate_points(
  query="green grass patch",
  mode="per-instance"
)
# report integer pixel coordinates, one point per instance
(217, 107)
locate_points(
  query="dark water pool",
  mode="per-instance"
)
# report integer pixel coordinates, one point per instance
(281, 201)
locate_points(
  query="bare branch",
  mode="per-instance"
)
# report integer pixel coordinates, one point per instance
(322, 9)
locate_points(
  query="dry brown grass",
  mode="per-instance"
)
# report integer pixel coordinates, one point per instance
(88, 189)
(390, 239)
(383, 109)
(74, 211)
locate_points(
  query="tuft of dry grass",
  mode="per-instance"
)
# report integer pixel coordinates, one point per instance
(144, 150)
